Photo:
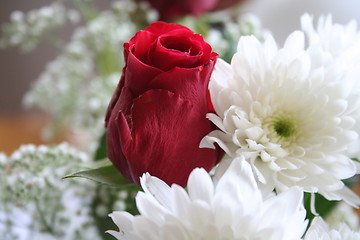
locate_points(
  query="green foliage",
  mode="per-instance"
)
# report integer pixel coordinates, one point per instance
(100, 152)
(105, 198)
(105, 173)
(322, 205)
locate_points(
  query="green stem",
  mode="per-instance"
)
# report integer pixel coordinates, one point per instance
(103, 223)
(107, 61)
(42, 217)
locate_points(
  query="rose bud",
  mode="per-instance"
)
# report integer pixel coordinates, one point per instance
(157, 115)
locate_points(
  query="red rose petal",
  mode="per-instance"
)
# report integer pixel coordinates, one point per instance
(118, 137)
(164, 140)
(191, 83)
(159, 28)
(139, 44)
(138, 75)
(173, 51)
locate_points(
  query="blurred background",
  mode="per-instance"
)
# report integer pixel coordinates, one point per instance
(19, 70)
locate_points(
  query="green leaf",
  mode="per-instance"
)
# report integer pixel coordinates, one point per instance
(105, 162)
(322, 205)
(100, 152)
(106, 174)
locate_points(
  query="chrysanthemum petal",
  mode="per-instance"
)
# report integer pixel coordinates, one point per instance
(234, 208)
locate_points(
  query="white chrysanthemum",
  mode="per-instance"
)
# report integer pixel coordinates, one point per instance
(233, 209)
(290, 120)
(337, 39)
(340, 46)
(319, 230)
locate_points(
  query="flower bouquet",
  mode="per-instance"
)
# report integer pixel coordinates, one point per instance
(224, 135)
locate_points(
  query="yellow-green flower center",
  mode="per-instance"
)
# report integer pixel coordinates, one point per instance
(284, 127)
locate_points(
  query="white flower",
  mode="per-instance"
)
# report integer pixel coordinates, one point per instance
(36, 203)
(232, 209)
(27, 30)
(340, 46)
(343, 213)
(292, 121)
(337, 39)
(319, 230)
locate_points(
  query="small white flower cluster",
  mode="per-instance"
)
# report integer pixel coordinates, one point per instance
(111, 198)
(26, 30)
(246, 25)
(40, 163)
(216, 40)
(56, 90)
(90, 109)
(76, 87)
(36, 203)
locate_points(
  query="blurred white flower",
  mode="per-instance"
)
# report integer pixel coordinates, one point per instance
(246, 24)
(27, 30)
(292, 121)
(338, 45)
(343, 213)
(216, 40)
(319, 230)
(232, 209)
(36, 203)
(337, 39)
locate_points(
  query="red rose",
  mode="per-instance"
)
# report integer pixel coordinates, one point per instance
(157, 116)
(169, 9)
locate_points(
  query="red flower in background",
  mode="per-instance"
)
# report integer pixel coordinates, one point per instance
(157, 116)
(222, 4)
(169, 9)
